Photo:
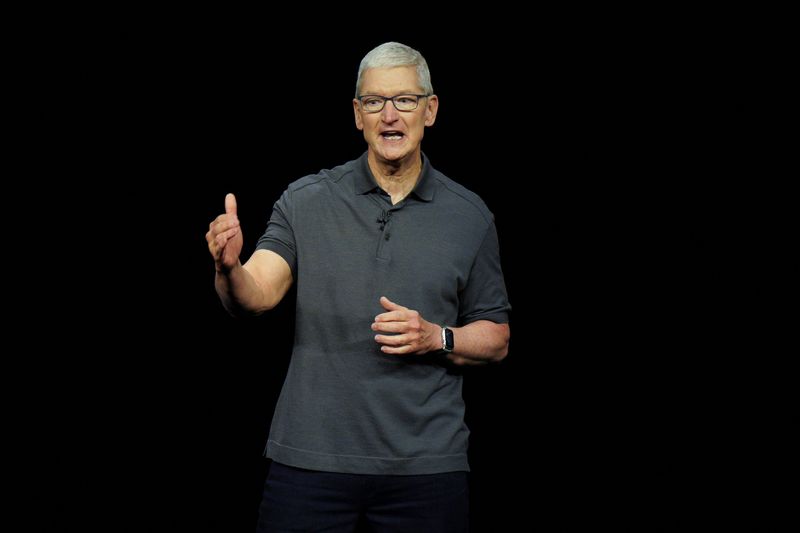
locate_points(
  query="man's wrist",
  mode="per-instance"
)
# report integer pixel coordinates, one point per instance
(223, 270)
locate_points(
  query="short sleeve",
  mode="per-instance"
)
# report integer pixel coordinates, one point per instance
(484, 296)
(279, 235)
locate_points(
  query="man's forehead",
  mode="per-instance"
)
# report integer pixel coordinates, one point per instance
(390, 83)
(393, 77)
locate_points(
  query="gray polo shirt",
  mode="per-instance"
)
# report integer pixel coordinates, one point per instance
(346, 406)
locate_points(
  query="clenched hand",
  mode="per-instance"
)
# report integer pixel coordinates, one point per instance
(412, 334)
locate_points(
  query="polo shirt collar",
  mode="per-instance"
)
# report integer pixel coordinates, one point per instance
(365, 181)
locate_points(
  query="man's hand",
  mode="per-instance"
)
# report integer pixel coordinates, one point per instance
(225, 237)
(411, 334)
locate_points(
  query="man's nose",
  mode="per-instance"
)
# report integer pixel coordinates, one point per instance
(389, 112)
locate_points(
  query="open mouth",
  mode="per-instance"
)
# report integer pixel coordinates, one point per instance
(392, 135)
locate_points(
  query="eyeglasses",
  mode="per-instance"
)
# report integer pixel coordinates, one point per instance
(372, 103)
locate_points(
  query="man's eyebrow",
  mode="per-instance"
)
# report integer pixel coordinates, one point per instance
(414, 93)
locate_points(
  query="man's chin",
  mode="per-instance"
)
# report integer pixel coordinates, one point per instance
(392, 155)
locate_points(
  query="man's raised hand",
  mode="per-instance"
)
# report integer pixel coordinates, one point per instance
(224, 237)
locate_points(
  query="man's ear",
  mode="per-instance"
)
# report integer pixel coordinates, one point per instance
(431, 109)
(356, 111)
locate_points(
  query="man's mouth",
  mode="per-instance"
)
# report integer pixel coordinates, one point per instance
(392, 135)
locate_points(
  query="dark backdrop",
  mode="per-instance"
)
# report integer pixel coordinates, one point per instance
(571, 135)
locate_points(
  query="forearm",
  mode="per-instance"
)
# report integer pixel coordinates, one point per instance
(403, 331)
(479, 343)
(240, 293)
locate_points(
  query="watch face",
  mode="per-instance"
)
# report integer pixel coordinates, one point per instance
(448, 339)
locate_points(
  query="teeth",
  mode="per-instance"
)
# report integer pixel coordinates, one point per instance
(392, 137)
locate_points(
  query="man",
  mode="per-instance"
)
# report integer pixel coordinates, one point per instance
(398, 284)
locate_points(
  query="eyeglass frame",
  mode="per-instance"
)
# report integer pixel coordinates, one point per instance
(387, 98)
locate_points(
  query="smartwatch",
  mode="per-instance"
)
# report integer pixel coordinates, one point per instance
(447, 339)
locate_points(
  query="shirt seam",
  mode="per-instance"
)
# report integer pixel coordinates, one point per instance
(319, 177)
(482, 209)
(364, 456)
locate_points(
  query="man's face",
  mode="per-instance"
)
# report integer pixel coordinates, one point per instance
(394, 135)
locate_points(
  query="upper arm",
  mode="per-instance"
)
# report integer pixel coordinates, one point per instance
(484, 297)
(272, 274)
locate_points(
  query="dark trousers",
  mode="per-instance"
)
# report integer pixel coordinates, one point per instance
(311, 501)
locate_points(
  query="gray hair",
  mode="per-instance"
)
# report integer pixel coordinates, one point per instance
(391, 54)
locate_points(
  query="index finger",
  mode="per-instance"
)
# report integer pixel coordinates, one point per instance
(392, 316)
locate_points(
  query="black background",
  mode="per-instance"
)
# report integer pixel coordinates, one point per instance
(587, 141)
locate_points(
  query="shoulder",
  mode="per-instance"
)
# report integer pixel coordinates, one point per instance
(455, 196)
(313, 184)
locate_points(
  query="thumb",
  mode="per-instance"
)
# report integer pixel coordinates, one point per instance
(390, 305)
(230, 204)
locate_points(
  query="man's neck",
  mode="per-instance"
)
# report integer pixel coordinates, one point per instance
(396, 179)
